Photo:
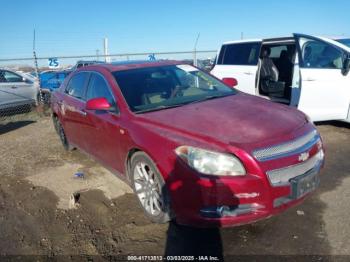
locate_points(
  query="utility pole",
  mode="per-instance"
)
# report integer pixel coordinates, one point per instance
(195, 50)
(37, 69)
(97, 54)
(105, 49)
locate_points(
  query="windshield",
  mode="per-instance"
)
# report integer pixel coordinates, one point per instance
(344, 41)
(155, 88)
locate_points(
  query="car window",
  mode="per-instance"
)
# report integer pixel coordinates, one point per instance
(9, 77)
(156, 88)
(345, 41)
(76, 85)
(316, 54)
(276, 51)
(239, 54)
(2, 77)
(98, 88)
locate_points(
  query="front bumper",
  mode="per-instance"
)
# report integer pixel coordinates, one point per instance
(231, 201)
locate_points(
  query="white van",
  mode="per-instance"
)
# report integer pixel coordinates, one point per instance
(308, 72)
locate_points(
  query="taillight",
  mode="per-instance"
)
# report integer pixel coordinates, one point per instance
(230, 81)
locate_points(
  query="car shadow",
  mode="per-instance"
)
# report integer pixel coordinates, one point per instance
(333, 123)
(11, 126)
(183, 240)
(191, 241)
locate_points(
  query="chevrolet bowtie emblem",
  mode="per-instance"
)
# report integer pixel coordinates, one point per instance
(303, 156)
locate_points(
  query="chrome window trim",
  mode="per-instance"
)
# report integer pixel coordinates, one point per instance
(65, 91)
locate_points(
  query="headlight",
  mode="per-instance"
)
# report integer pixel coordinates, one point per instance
(211, 163)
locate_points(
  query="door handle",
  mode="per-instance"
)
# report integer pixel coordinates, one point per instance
(310, 79)
(248, 73)
(13, 87)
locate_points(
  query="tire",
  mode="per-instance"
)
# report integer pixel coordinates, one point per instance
(149, 187)
(37, 102)
(62, 135)
(56, 123)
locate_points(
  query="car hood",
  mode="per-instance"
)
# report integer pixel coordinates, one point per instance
(236, 120)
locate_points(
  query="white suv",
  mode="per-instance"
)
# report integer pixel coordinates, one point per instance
(307, 72)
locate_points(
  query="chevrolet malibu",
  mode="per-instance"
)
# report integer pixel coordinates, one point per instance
(193, 148)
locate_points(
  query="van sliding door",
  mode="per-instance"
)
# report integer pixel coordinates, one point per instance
(239, 60)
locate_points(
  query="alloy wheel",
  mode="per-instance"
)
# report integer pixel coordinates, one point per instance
(148, 189)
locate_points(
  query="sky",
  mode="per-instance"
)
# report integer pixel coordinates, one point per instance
(68, 27)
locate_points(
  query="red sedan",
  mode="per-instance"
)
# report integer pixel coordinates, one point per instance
(193, 148)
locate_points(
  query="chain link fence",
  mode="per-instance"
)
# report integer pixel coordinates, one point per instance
(25, 96)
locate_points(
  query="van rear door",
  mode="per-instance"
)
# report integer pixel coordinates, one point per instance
(239, 59)
(325, 92)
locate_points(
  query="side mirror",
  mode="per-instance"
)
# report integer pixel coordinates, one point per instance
(99, 103)
(346, 65)
(230, 81)
(26, 80)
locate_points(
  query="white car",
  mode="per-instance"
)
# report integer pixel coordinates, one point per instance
(304, 71)
(16, 91)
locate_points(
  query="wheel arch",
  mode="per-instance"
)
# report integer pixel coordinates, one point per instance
(129, 155)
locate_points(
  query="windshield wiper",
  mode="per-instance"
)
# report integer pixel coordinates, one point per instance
(209, 97)
(158, 108)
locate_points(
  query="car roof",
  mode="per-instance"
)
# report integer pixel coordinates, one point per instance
(7, 69)
(265, 40)
(271, 39)
(127, 65)
(242, 41)
(89, 61)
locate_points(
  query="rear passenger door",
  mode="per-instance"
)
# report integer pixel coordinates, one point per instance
(240, 61)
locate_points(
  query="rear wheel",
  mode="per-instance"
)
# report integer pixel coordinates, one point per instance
(55, 123)
(59, 129)
(150, 188)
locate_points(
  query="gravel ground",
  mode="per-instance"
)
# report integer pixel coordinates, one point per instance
(36, 180)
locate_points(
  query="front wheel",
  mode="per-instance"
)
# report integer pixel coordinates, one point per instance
(150, 188)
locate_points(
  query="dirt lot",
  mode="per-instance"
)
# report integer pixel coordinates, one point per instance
(37, 178)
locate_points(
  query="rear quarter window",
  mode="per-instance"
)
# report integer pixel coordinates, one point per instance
(239, 54)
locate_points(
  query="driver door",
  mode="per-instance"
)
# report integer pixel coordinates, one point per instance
(325, 90)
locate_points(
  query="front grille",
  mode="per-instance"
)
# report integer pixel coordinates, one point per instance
(282, 176)
(289, 148)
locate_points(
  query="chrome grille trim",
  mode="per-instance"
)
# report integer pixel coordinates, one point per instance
(280, 177)
(289, 148)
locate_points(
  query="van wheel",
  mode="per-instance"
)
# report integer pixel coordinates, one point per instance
(150, 188)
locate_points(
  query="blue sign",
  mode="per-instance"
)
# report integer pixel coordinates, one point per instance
(152, 57)
(53, 62)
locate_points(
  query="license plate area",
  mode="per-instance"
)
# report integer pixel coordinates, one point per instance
(304, 184)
